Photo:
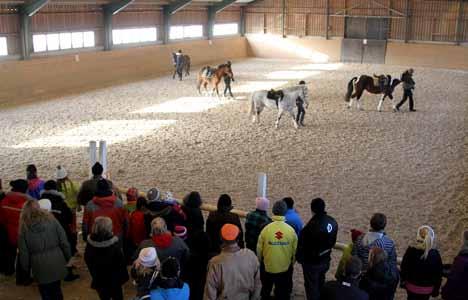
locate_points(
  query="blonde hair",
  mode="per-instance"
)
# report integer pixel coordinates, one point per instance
(32, 214)
(425, 239)
(376, 255)
(102, 226)
(158, 226)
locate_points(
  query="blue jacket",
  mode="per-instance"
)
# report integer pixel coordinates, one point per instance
(171, 294)
(294, 220)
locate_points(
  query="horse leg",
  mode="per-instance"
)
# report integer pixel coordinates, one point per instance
(358, 100)
(173, 75)
(379, 107)
(296, 125)
(278, 118)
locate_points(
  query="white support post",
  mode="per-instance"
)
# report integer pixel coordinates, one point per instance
(103, 156)
(262, 185)
(92, 155)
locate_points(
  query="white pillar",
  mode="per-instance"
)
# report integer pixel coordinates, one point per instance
(103, 156)
(92, 155)
(262, 185)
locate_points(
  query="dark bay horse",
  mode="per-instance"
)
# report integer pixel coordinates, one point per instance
(357, 86)
(181, 64)
(213, 77)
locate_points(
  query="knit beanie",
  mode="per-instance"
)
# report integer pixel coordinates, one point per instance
(317, 206)
(153, 195)
(229, 232)
(148, 257)
(180, 231)
(262, 203)
(61, 173)
(103, 188)
(355, 233)
(45, 204)
(279, 208)
(170, 268)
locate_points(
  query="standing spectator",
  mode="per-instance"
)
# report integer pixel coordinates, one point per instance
(456, 287)
(170, 211)
(276, 247)
(169, 284)
(292, 216)
(421, 268)
(408, 87)
(145, 270)
(379, 280)
(43, 249)
(197, 264)
(345, 288)
(194, 222)
(165, 243)
(136, 227)
(218, 218)
(132, 198)
(233, 274)
(105, 260)
(70, 191)
(10, 210)
(315, 245)
(106, 204)
(255, 221)
(347, 254)
(376, 237)
(35, 184)
(88, 188)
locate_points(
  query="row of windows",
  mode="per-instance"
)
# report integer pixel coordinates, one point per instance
(76, 40)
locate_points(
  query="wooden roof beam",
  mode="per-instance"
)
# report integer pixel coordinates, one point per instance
(33, 7)
(116, 7)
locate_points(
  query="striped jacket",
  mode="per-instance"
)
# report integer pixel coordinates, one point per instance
(374, 239)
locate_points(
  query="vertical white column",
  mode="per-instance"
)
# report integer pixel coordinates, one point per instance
(92, 155)
(103, 156)
(262, 185)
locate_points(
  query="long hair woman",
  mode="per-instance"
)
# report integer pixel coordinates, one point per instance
(43, 249)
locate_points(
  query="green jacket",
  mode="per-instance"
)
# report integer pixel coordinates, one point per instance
(277, 245)
(44, 249)
(69, 189)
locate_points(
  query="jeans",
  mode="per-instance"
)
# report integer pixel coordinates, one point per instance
(407, 94)
(114, 293)
(314, 279)
(282, 282)
(300, 114)
(51, 291)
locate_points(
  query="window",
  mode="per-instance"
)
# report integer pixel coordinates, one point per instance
(225, 29)
(62, 41)
(134, 35)
(3, 46)
(181, 32)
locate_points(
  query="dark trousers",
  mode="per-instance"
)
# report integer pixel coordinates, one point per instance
(407, 94)
(300, 114)
(314, 279)
(412, 296)
(51, 291)
(227, 88)
(114, 293)
(8, 256)
(282, 282)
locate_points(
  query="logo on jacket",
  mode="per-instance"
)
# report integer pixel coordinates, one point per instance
(278, 235)
(329, 227)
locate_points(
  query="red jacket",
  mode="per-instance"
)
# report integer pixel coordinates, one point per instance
(106, 207)
(136, 227)
(10, 210)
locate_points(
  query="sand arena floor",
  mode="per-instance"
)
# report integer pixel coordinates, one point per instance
(409, 166)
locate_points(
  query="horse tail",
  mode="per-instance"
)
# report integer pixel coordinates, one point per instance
(350, 90)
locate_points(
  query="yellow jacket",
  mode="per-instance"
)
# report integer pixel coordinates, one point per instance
(277, 245)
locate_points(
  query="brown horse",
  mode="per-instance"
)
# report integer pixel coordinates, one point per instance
(357, 86)
(213, 76)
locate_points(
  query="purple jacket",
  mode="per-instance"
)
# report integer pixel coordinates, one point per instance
(456, 287)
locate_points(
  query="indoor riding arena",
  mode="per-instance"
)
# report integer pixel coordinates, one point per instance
(73, 72)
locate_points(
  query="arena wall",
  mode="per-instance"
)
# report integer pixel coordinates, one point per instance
(54, 76)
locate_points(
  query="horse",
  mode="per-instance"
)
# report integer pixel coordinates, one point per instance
(204, 78)
(357, 86)
(181, 64)
(287, 103)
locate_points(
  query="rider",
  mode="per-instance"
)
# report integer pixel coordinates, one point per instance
(300, 105)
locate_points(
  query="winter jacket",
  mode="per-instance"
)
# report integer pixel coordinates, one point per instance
(105, 207)
(10, 210)
(408, 82)
(44, 249)
(88, 189)
(344, 259)
(216, 220)
(456, 287)
(60, 209)
(106, 262)
(294, 219)
(277, 245)
(194, 220)
(35, 187)
(419, 272)
(171, 213)
(143, 282)
(317, 239)
(69, 189)
(372, 239)
(167, 246)
(380, 282)
(136, 227)
(339, 290)
(233, 274)
(171, 294)
(254, 223)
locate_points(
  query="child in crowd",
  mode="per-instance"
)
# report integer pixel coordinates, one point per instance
(144, 271)
(347, 254)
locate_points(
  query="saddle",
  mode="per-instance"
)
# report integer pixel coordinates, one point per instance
(208, 71)
(275, 95)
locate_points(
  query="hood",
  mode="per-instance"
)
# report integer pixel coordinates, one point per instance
(15, 197)
(34, 183)
(278, 218)
(162, 240)
(97, 242)
(159, 208)
(371, 237)
(53, 193)
(108, 201)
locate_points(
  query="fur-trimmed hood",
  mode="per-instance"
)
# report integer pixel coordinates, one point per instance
(102, 244)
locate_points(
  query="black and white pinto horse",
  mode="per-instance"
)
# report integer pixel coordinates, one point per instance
(181, 63)
(259, 100)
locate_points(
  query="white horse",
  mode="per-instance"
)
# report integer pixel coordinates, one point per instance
(259, 101)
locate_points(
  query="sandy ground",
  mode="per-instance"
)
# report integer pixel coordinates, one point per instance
(409, 166)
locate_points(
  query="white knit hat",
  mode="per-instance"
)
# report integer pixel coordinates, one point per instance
(148, 257)
(61, 173)
(45, 204)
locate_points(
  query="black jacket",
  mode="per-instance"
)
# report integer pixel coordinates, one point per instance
(215, 222)
(422, 272)
(106, 262)
(60, 209)
(163, 210)
(379, 282)
(317, 239)
(338, 290)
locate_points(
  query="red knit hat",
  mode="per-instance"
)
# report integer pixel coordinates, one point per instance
(355, 233)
